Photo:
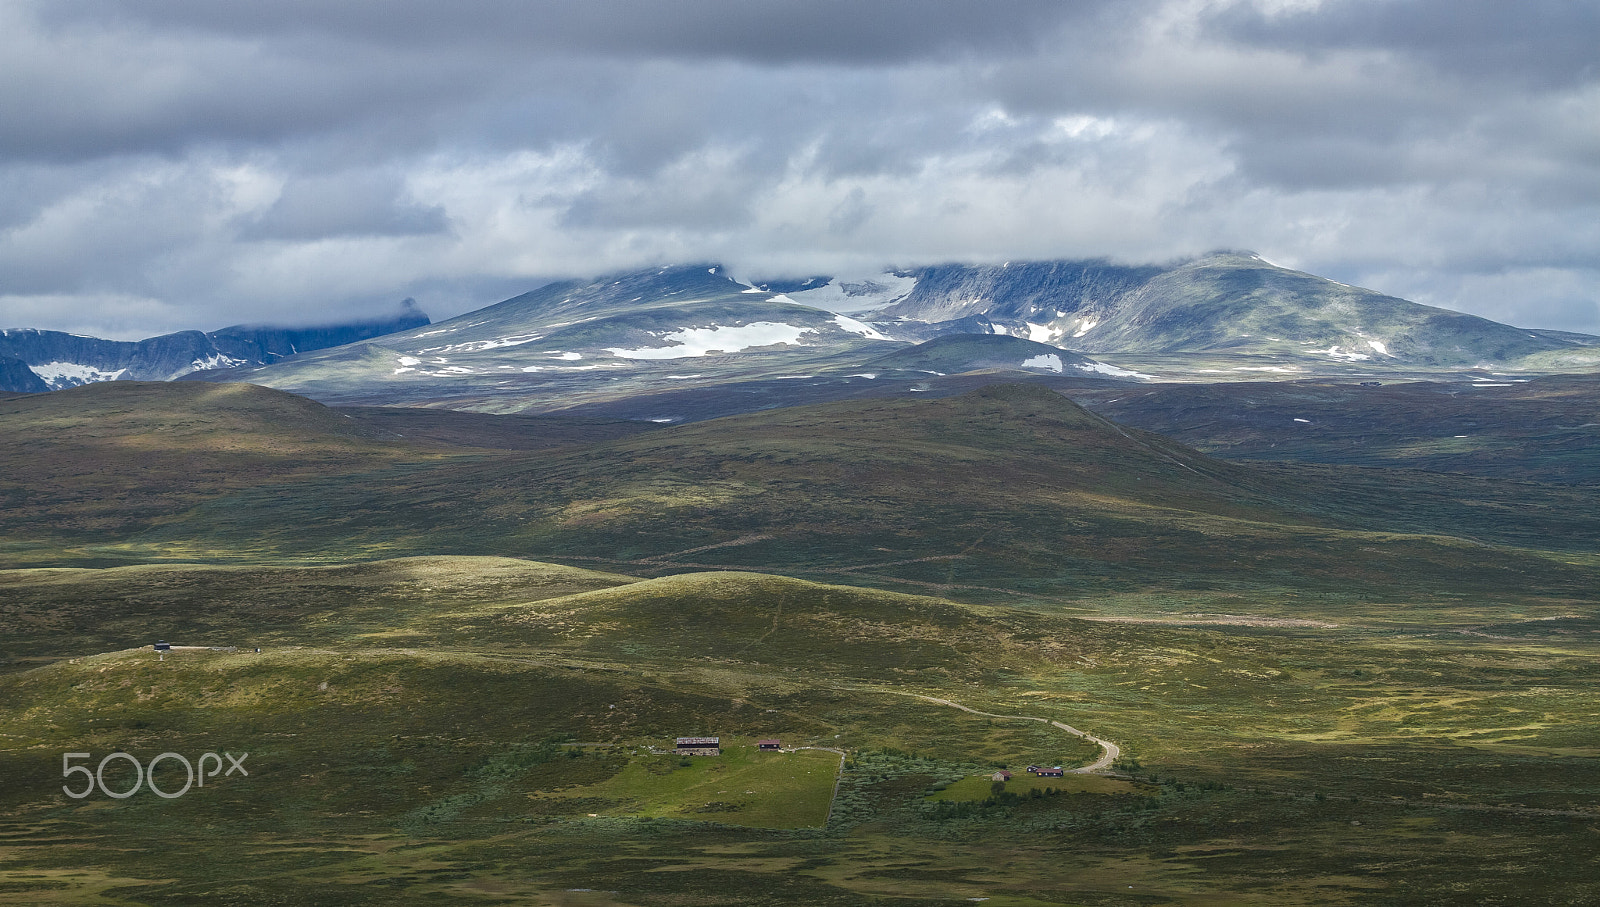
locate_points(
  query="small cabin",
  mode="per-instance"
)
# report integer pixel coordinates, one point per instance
(769, 744)
(1001, 775)
(1052, 772)
(699, 746)
(163, 646)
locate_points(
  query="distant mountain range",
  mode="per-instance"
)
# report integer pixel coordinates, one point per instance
(1226, 303)
(34, 361)
(689, 342)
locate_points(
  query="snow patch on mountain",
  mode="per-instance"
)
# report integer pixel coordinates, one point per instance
(1042, 333)
(855, 327)
(477, 346)
(1048, 360)
(61, 375)
(1333, 352)
(856, 295)
(1113, 371)
(717, 339)
(215, 360)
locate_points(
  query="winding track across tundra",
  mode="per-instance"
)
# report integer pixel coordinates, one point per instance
(1109, 754)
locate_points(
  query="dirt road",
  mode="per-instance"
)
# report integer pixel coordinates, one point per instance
(1109, 754)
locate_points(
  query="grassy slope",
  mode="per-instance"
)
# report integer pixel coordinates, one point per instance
(481, 430)
(382, 772)
(105, 458)
(1541, 429)
(48, 614)
(1436, 716)
(1005, 492)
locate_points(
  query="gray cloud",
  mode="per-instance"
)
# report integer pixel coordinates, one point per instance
(761, 31)
(360, 203)
(1539, 43)
(175, 164)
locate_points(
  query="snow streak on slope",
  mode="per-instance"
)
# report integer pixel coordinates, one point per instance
(717, 339)
(855, 327)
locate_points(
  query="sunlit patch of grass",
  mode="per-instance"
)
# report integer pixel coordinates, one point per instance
(743, 786)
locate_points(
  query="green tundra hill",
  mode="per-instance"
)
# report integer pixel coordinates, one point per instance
(480, 730)
(106, 457)
(56, 613)
(1007, 494)
(1505, 426)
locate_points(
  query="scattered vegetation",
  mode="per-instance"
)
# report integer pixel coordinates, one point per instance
(1309, 711)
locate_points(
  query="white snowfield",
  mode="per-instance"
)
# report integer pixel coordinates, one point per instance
(845, 294)
(847, 323)
(61, 375)
(717, 339)
(1043, 333)
(1115, 372)
(1048, 360)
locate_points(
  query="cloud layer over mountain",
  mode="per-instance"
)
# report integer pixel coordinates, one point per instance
(178, 164)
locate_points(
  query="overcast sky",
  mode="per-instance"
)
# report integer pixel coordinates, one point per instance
(173, 164)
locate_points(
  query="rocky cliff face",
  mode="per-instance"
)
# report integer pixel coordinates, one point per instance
(17, 378)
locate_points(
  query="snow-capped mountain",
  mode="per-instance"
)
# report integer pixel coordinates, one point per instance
(1226, 303)
(692, 341)
(638, 336)
(59, 360)
(666, 341)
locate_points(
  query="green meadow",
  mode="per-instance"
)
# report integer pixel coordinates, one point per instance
(743, 786)
(1330, 685)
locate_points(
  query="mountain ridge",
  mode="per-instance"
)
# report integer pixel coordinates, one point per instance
(60, 360)
(623, 343)
(1214, 304)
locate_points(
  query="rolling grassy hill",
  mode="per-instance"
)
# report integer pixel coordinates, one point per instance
(1513, 428)
(1005, 494)
(106, 457)
(472, 730)
(99, 462)
(1333, 683)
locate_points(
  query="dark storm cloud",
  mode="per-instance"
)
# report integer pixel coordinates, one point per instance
(1543, 43)
(763, 31)
(176, 163)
